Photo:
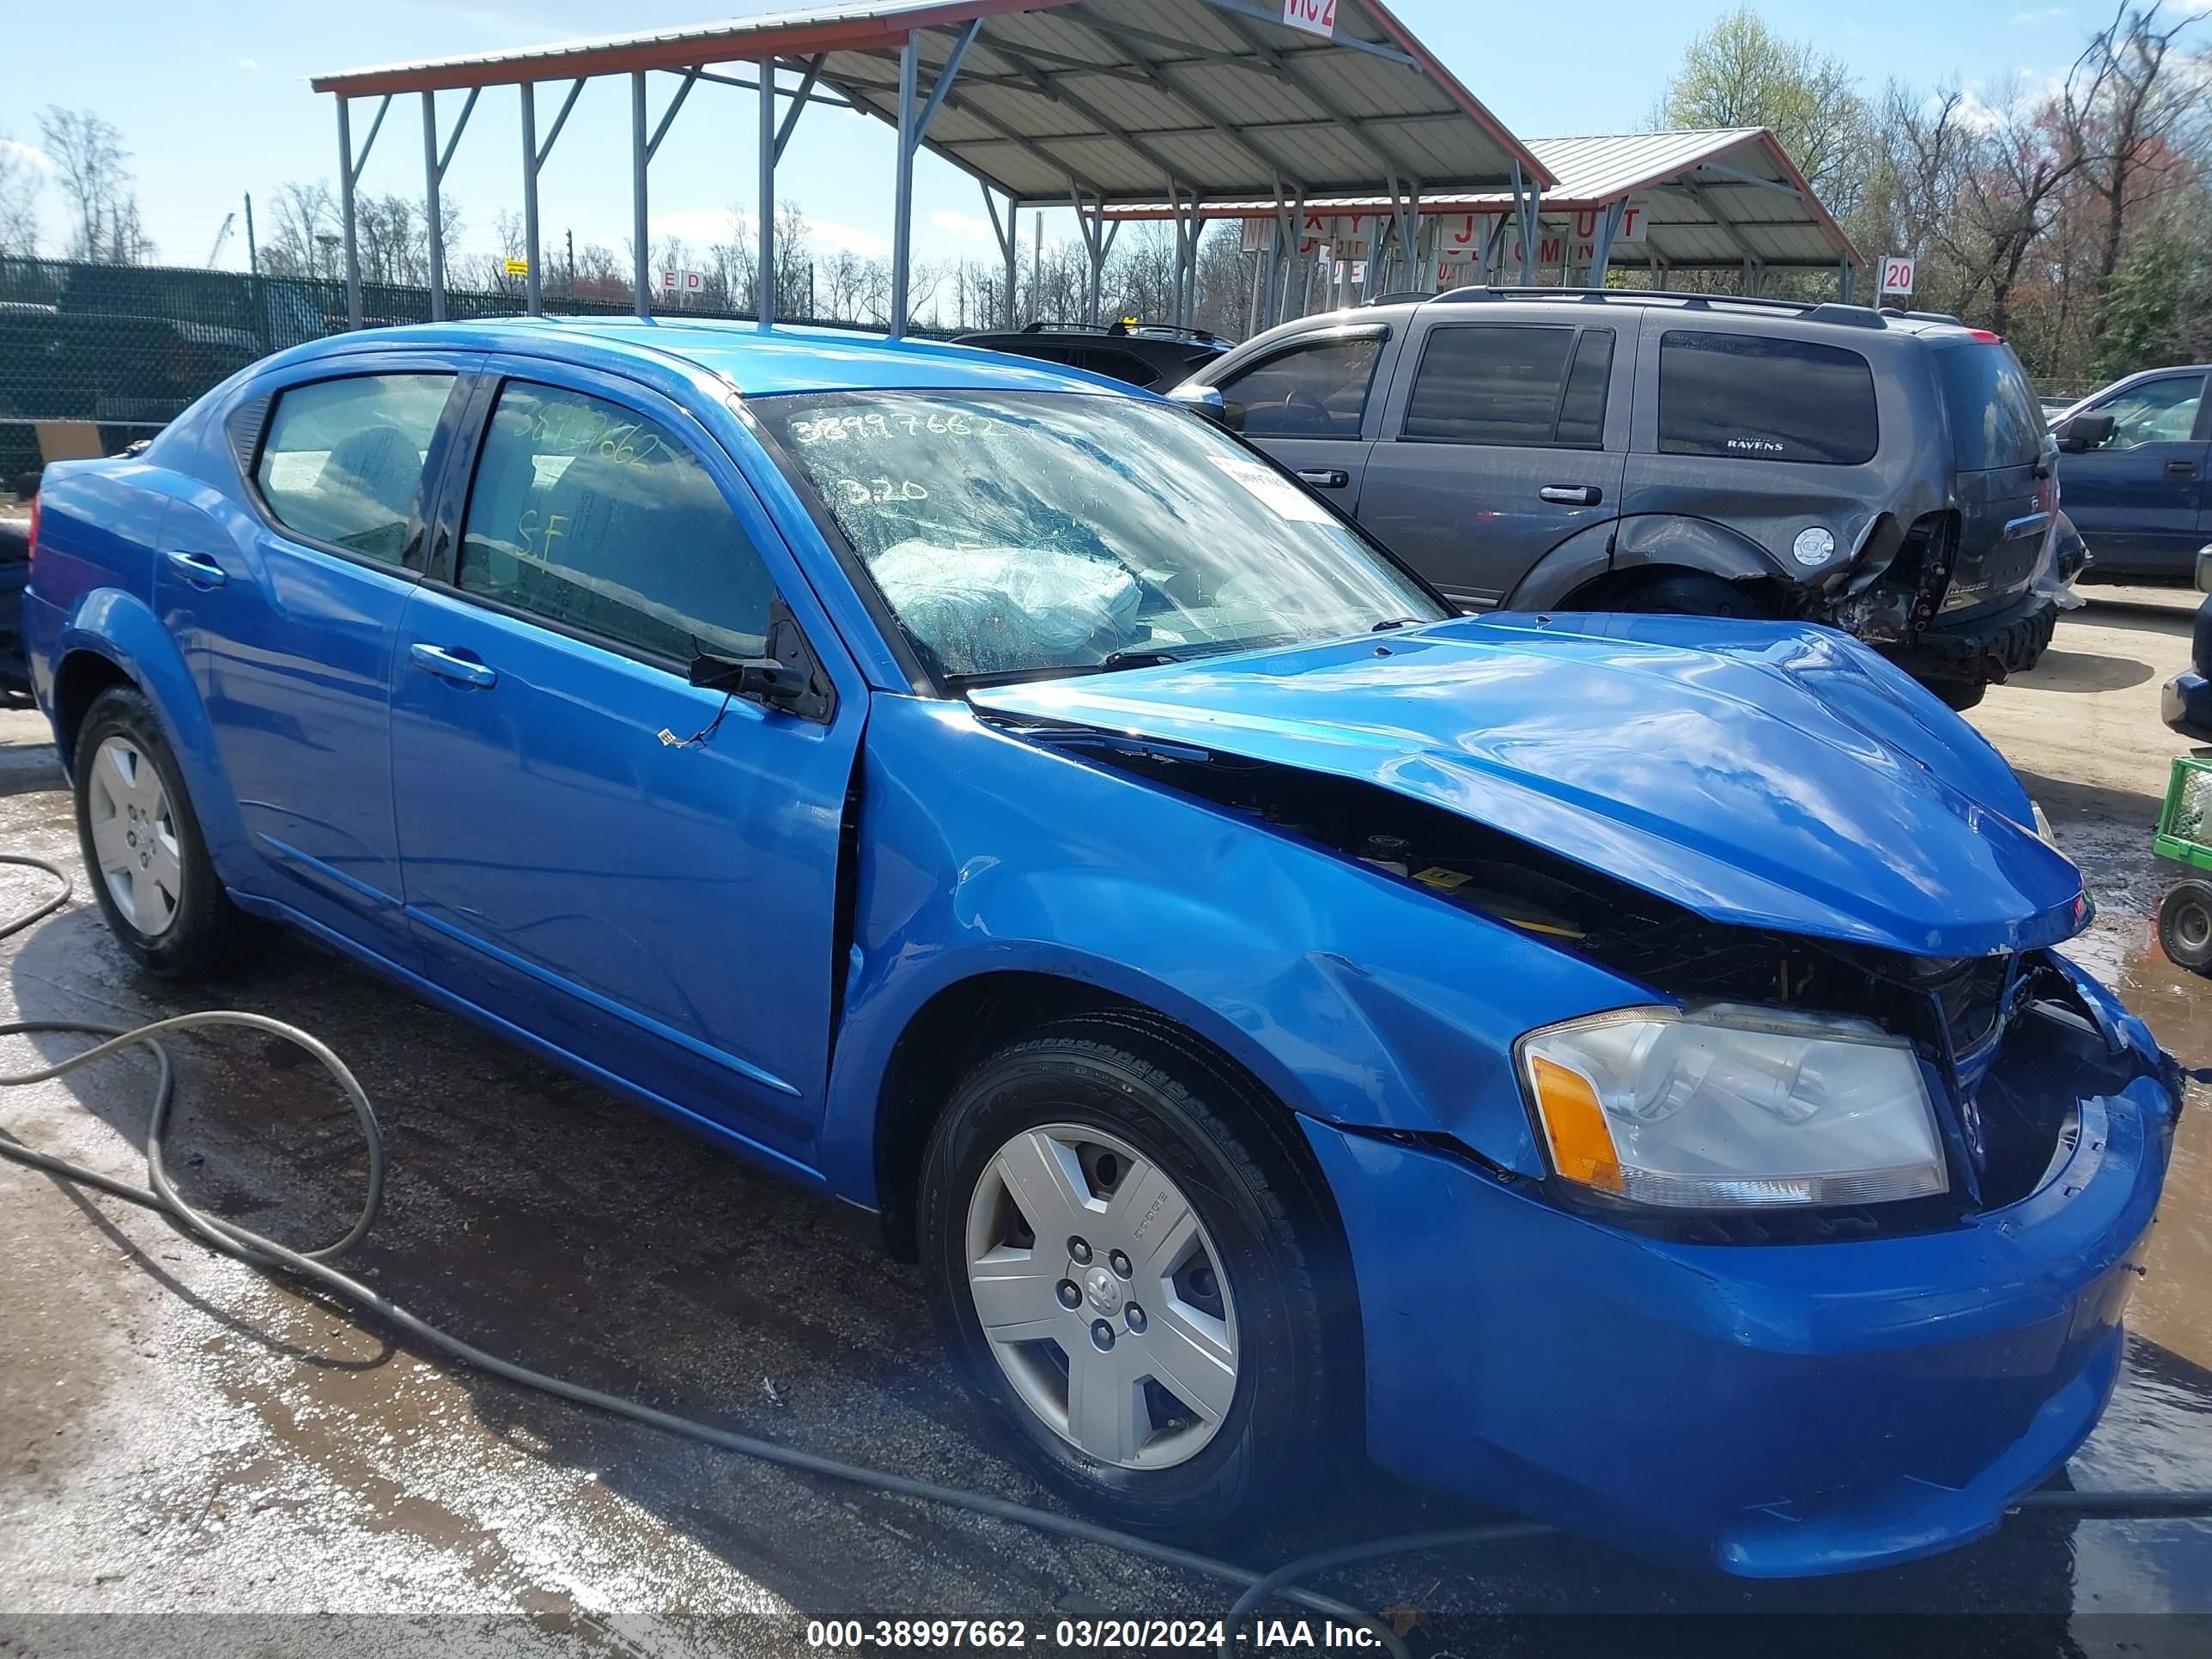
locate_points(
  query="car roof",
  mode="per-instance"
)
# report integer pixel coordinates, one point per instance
(756, 362)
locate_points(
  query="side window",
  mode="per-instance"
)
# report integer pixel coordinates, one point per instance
(341, 463)
(1754, 397)
(1543, 386)
(2156, 412)
(589, 515)
(1318, 390)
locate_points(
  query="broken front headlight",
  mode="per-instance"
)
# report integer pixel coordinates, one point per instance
(1731, 1107)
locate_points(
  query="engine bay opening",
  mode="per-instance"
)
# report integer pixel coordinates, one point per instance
(1960, 1014)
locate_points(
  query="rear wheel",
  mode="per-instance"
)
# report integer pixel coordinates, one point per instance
(1125, 1264)
(1689, 593)
(149, 864)
(2185, 925)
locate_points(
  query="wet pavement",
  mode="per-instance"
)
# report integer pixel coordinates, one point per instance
(201, 1456)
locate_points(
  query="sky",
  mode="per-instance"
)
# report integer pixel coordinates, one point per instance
(213, 103)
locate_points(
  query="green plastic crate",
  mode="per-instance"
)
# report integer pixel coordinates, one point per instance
(2185, 823)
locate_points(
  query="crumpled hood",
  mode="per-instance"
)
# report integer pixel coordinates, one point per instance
(1764, 774)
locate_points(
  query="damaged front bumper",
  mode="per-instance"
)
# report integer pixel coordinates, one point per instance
(1769, 1410)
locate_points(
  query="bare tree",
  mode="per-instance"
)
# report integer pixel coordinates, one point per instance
(304, 236)
(20, 179)
(91, 170)
(2121, 109)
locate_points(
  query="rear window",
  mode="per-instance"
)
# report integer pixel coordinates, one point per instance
(1753, 398)
(1995, 418)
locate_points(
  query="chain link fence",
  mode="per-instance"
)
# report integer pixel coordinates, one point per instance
(94, 357)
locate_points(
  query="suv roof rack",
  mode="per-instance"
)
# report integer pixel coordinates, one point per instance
(1922, 316)
(1814, 311)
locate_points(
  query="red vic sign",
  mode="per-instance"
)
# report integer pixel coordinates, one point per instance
(1314, 16)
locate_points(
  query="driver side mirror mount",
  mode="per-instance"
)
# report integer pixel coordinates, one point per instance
(2085, 432)
(1208, 402)
(788, 677)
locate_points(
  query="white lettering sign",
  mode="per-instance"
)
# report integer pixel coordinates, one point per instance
(1896, 276)
(1314, 16)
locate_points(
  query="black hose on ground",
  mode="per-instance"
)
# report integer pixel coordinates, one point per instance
(258, 1250)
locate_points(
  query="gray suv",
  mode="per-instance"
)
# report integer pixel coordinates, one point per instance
(1888, 473)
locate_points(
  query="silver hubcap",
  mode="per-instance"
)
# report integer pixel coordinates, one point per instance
(1103, 1297)
(134, 836)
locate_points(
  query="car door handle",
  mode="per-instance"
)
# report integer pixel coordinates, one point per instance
(1572, 495)
(198, 568)
(2181, 468)
(448, 665)
(1324, 477)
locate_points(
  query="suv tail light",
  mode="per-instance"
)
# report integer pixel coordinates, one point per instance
(1985, 337)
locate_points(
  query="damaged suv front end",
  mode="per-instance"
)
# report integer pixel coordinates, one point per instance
(1727, 1164)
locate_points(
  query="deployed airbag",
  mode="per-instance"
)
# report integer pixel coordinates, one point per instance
(990, 609)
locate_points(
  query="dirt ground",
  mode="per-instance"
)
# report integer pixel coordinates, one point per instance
(193, 1458)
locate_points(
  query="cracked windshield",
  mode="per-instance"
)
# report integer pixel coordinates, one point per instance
(1017, 535)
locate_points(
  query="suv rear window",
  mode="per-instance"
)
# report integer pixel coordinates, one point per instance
(1995, 419)
(1756, 397)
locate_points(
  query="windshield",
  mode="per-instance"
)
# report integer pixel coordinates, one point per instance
(1017, 534)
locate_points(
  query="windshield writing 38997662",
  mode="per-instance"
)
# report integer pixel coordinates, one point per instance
(1020, 534)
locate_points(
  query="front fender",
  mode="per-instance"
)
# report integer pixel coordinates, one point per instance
(121, 626)
(1353, 996)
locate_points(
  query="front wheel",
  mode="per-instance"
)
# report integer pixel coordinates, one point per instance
(1128, 1273)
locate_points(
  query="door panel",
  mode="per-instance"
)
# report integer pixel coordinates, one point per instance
(1505, 440)
(2137, 500)
(290, 640)
(639, 871)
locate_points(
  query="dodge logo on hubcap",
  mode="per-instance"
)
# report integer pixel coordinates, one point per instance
(1105, 1294)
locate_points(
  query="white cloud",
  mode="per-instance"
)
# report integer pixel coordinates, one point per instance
(963, 227)
(30, 153)
(2041, 14)
(248, 63)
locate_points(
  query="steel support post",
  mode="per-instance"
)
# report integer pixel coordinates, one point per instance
(914, 115)
(766, 284)
(643, 301)
(1608, 227)
(348, 173)
(533, 294)
(1846, 271)
(432, 218)
(1009, 239)
(903, 191)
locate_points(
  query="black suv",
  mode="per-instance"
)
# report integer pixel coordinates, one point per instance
(1888, 473)
(1151, 355)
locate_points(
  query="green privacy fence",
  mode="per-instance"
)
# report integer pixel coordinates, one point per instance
(127, 348)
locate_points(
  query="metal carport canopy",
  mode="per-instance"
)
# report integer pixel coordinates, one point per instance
(1715, 199)
(1089, 102)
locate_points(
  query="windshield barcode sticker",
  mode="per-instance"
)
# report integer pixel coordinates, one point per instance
(1277, 491)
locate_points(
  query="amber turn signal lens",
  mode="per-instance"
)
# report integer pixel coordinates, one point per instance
(1582, 1150)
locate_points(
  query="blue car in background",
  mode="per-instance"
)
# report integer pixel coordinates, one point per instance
(2135, 460)
(1616, 1067)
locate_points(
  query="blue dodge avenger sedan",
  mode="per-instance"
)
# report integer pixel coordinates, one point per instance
(1615, 1067)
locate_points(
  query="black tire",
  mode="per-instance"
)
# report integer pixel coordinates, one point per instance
(208, 934)
(1690, 594)
(1296, 1408)
(1958, 695)
(2185, 925)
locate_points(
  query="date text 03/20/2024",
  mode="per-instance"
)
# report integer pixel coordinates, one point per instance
(1266, 1635)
